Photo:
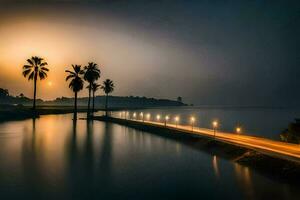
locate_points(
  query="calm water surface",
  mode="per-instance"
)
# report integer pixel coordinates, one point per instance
(51, 158)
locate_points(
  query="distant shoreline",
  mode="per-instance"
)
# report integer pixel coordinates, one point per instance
(15, 112)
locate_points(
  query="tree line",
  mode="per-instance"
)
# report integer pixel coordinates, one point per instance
(37, 68)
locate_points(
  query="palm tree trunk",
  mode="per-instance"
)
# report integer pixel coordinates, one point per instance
(93, 103)
(75, 107)
(106, 101)
(34, 92)
(89, 102)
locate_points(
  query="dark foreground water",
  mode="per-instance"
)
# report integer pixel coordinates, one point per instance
(51, 158)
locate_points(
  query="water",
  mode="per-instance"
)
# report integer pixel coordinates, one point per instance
(266, 122)
(51, 158)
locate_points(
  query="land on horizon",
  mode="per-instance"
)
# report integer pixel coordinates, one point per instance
(114, 101)
(20, 107)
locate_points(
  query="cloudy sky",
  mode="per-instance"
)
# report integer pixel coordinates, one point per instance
(209, 52)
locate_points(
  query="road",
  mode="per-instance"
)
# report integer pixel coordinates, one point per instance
(266, 146)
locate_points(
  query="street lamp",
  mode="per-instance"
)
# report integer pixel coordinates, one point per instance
(166, 120)
(215, 126)
(148, 116)
(142, 116)
(238, 129)
(176, 120)
(134, 115)
(193, 122)
(157, 117)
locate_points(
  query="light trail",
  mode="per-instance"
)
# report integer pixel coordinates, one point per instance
(263, 145)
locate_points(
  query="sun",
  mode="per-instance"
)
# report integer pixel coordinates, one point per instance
(50, 83)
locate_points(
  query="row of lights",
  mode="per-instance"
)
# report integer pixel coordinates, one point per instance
(215, 123)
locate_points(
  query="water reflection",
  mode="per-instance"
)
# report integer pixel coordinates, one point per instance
(106, 156)
(243, 177)
(29, 160)
(73, 158)
(89, 151)
(92, 163)
(55, 157)
(216, 167)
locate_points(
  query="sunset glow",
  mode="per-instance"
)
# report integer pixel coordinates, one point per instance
(150, 46)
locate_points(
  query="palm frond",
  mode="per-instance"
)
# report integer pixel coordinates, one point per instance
(35, 67)
(43, 64)
(27, 66)
(108, 86)
(92, 72)
(45, 69)
(42, 75)
(31, 76)
(70, 76)
(76, 83)
(30, 62)
(37, 60)
(26, 72)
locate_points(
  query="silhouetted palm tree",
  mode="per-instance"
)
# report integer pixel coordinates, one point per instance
(34, 69)
(92, 73)
(76, 83)
(107, 87)
(95, 87)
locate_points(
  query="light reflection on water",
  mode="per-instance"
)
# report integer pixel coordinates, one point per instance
(216, 167)
(52, 158)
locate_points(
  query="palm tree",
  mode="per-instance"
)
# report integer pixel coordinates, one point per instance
(76, 83)
(107, 87)
(95, 87)
(34, 69)
(92, 73)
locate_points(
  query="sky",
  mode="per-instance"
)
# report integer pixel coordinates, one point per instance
(207, 51)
